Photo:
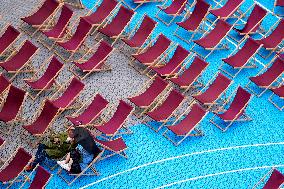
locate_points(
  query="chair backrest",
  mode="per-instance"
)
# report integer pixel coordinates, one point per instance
(228, 9)
(176, 7)
(279, 91)
(24, 54)
(200, 10)
(40, 179)
(275, 181)
(275, 38)
(244, 54)
(214, 37)
(101, 12)
(69, 95)
(254, 20)
(15, 166)
(45, 118)
(12, 104)
(122, 112)
(4, 83)
(117, 145)
(8, 37)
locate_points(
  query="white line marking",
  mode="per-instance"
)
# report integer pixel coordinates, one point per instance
(216, 174)
(181, 156)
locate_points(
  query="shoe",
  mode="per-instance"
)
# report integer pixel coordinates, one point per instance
(29, 168)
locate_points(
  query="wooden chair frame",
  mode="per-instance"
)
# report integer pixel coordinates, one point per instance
(263, 178)
(79, 3)
(274, 103)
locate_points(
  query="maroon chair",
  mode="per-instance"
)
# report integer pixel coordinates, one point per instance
(91, 111)
(115, 124)
(265, 80)
(150, 54)
(275, 180)
(279, 3)
(166, 109)
(146, 98)
(214, 37)
(4, 85)
(15, 166)
(96, 63)
(48, 113)
(213, 91)
(142, 34)
(236, 111)
(45, 82)
(76, 40)
(253, 21)
(190, 76)
(171, 68)
(242, 58)
(16, 63)
(194, 21)
(175, 9)
(40, 179)
(184, 127)
(279, 91)
(227, 10)
(7, 39)
(115, 28)
(69, 96)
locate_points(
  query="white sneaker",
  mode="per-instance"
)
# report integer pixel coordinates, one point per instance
(63, 165)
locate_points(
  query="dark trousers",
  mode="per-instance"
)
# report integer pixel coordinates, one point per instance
(40, 156)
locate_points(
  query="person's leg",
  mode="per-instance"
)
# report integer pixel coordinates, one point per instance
(40, 156)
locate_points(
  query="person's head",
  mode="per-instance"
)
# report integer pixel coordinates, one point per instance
(71, 132)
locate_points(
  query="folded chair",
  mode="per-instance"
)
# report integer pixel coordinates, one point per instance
(45, 82)
(279, 91)
(113, 126)
(194, 21)
(211, 39)
(92, 109)
(243, 58)
(175, 63)
(40, 179)
(20, 61)
(12, 106)
(186, 126)
(174, 10)
(141, 33)
(8, 37)
(266, 79)
(41, 17)
(212, 92)
(166, 109)
(275, 180)
(14, 167)
(188, 78)
(96, 63)
(236, 111)
(253, 22)
(227, 11)
(114, 28)
(69, 96)
(76, 41)
(149, 94)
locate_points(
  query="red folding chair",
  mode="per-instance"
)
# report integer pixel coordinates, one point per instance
(141, 33)
(149, 94)
(8, 37)
(174, 10)
(266, 79)
(14, 167)
(275, 180)
(211, 39)
(194, 21)
(91, 111)
(113, 126)
(41, 17)
(278, 3)
(69, 96)
(213, 91)
(40, 180)
(114, 28)
(227, 10)
(236, 111)
(243, 58)
(96, 63)
(186, 79)
(20, 60)
(165, 109)
(279, 91)
(45, 82)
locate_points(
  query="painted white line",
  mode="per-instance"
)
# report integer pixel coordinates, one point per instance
(181, 156)
(217, 174)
